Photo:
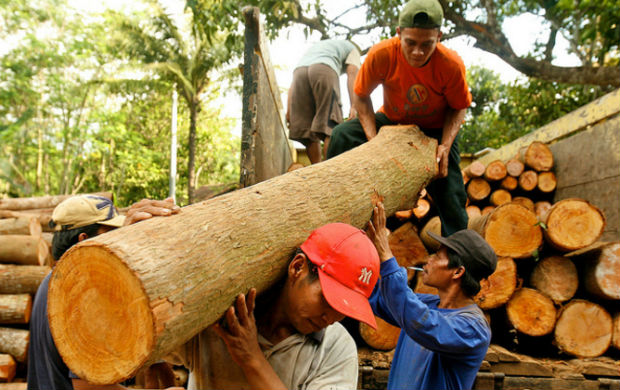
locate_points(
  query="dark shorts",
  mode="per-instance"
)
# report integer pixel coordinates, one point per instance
(315, 103)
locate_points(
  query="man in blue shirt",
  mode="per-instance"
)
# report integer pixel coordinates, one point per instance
(443, 338)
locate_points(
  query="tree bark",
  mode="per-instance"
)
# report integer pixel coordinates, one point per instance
(497, 289)
(15, 308)
(528, 180)
(174, 276)
(584, 329)
(478, 189)
(475, 169)
(384, 338)
(25, 250)
(500, 197)
(433, 225)
(15, 342)
(21, 279)
(547, 182)
(39, 202)
(602, 268)
(510, 229)
(573, 224)
(495, 171)
(7, 368)
(531, 312)
(555, 276)
(514, 167)
(537, 156)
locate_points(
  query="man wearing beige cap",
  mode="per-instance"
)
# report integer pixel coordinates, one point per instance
(423, 84)
(76, 219)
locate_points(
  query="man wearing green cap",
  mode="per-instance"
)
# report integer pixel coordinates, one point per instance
(423, 84)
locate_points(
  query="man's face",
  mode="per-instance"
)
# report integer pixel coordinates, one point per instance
(418, 44)
(436, 271)
(308, 310)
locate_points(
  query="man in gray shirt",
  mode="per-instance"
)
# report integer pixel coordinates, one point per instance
(314, 106)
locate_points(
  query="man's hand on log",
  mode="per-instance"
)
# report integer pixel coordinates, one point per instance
(240, 334)
(443, 159)
(148, 208)
(378, 233)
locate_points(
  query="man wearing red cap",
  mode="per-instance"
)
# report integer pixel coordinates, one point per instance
(294, 341)
(443, 338)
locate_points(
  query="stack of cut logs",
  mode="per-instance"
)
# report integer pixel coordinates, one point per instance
(555, 288)
(25, 260)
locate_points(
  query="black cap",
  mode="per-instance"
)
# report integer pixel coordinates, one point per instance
(475, 253)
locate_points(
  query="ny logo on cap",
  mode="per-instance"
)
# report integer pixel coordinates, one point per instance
(365, 276)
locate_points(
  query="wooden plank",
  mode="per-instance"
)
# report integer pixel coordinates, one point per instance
(520, 383)
(265, 148)
(604, 107)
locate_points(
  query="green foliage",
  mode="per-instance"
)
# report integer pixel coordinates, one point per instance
(501, 113)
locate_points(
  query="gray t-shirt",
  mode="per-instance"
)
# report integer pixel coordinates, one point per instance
(323, 360)
(334, 53)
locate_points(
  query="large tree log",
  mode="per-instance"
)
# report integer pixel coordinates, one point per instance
(514, 167)
(7, 368)
(602, 271)
(478, 189)
(510, 229)
(531, 312)
(583, 329)
(557, 277)
(497, 289)
(25, 250)
(20, 226)
(39, 202)
(537, 156)
(21, 279)
(15, 342)
(496, 170)
(528, 180)
(573, 224)
(15, 308)
(175, 276)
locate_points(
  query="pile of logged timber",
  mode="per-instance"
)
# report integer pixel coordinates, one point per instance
(556, 290)
(25, 260)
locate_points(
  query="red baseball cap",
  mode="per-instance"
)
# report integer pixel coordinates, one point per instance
(348, 266)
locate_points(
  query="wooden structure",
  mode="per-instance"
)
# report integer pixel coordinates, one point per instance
(265, 148)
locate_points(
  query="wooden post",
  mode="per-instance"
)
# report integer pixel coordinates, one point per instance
(15, 342)
(175, 276)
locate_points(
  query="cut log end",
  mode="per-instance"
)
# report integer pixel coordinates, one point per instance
(557, 277)
(110, 337)
(478, 189)
(531, 312)
(602, 270)
(573, 224)
(500, 197)
(514, 167)
(384, 338)
(528, 180)
(497, 289)
(584, 329)
(538, 156)
(475, 169)
(495, 171)
(547, 182)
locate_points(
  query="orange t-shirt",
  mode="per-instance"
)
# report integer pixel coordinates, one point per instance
(414, 95)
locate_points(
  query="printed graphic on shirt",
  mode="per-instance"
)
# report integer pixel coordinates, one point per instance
(417, 94)
(365, 276)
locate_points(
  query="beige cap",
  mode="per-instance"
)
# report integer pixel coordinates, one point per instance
(84, 210)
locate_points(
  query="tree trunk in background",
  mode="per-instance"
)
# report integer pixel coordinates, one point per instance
(21, 279)
(191, 160)
(584, 329)
(531, 312)
(15, 308)
(175, 276)
(15, 342)
(39, 202)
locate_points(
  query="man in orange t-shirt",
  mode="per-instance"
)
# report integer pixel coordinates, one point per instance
(424, 84)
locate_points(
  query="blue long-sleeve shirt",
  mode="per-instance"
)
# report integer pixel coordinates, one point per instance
(437, 348)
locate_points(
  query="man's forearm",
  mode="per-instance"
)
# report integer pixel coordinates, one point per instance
(351, 74)
(452, 125)
(366, 115)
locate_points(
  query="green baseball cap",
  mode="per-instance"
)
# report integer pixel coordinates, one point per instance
(421, 14)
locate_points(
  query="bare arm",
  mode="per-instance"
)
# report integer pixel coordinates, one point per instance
(451, 127)
(366, 115)
(241, 339)
(351, 75)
